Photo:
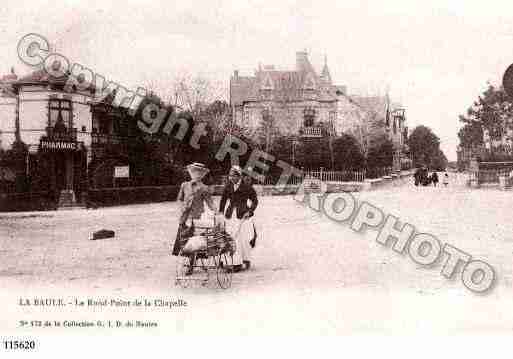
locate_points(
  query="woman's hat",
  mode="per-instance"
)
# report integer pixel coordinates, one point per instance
(197, 170)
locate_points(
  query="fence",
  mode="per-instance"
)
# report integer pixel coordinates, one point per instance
(337, 176)
(489, 176)
(334, 176)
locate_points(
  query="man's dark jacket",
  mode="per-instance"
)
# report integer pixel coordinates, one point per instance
(238, 200)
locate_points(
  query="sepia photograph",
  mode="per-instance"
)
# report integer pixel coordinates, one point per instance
(246, 169)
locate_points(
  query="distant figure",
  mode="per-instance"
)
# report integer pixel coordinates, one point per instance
(417, 176)
(446, 179)
(425, 178)
(434, 178)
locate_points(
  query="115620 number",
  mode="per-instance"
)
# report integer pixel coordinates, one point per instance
(19, 344)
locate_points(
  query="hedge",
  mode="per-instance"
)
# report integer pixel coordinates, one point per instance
(130, 195)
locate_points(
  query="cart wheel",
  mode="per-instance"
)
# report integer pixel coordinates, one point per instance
(182, 266)
(224, 270)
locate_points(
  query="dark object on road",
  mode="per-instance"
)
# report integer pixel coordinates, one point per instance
(103, 234)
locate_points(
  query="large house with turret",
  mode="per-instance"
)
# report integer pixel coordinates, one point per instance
(300, 101)
(307, 104)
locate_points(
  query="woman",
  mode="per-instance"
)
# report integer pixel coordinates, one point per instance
(193, 194)
(236, 213)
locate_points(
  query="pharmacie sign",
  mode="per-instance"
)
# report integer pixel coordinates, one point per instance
(58, 145)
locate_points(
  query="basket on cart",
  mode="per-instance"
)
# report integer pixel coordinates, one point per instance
(212, 249)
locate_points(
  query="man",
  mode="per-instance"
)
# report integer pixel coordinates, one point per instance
(236, 213)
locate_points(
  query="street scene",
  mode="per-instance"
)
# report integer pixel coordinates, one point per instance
(254, 169)
(313, 270)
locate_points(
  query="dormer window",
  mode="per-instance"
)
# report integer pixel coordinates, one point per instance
(309, 83)
(267, 84)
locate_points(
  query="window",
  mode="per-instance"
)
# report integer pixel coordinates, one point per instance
(266, 117)
(245, 117)
(309, 83)
(308, 117)
(267, 84)
(60, 114)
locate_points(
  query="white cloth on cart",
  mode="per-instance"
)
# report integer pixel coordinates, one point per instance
(241, 231)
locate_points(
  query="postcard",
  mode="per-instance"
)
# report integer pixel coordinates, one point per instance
(171, 171)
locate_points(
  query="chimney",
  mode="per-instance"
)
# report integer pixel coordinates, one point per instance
(236, 74)
(301, 60)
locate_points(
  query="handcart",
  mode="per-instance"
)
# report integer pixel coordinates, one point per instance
(216, 255)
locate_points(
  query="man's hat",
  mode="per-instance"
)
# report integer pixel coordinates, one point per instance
(236, 169)
(197, 170)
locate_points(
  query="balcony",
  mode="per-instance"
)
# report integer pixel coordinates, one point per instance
(69, 134)
(310, 132)
(106, 139)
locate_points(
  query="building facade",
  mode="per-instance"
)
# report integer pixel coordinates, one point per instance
(299, 101)
(64, 130)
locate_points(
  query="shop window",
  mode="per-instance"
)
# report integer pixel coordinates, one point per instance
(60, 114)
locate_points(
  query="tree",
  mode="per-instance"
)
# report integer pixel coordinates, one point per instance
(313, 153)
(218, 116)
(491, 112)
(424, 145)
(268, 131)
(347, 153)
(193, 93)
(380, 154)
(471, 134)
(439, 161)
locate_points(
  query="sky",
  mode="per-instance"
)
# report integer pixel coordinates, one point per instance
(434, 58)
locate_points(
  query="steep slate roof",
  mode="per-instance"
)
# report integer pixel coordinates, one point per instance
(291, 83)
(40, 76)
(325, 74)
